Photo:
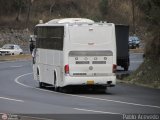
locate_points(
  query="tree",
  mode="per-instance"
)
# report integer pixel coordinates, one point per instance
(28, 14)
(151, 9)
(19, 5)
(133, 16)
(51, 7)
(103, 5)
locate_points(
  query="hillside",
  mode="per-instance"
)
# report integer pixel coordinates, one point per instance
(14, 13)
(22, 14)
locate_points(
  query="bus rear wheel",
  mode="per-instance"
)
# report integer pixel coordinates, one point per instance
(41, 85)
(56, 88)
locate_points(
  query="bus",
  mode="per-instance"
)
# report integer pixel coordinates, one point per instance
(75, 52)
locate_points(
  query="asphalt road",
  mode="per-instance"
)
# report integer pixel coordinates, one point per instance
(20, 95)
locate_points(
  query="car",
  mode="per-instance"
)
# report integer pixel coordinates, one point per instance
(11, 49)
(137, 41)
(133, 42)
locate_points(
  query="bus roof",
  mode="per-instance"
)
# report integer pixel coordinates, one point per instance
(70, 21)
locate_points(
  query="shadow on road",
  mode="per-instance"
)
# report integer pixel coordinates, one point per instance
(87, 90)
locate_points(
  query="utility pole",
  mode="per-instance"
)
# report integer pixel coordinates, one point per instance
(133, 17)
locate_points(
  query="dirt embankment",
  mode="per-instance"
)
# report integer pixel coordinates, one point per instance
(148, 74)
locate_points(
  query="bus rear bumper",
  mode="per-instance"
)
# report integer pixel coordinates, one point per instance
(108, 81)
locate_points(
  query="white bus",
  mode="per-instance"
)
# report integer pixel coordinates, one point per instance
(75, 52)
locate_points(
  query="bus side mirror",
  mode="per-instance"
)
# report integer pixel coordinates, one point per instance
(32, 41)
(34, 55)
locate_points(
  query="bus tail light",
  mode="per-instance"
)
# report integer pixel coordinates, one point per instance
(66, 69)
(114, 68)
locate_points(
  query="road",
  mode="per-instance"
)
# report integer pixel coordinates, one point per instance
(20, 95)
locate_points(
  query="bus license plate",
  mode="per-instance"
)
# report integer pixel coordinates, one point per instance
(90, 82)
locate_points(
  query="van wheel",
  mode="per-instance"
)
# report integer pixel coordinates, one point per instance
(126, 68)
(56, 88)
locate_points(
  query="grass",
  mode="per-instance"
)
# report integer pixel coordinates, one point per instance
(148, 74)
(137, 50)
(15, 57)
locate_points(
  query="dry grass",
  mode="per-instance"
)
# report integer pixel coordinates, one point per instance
(137, 50)
(148, 74)
(15, 57)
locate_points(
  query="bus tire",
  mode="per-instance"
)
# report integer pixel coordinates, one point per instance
(56, 88)
(41, 85)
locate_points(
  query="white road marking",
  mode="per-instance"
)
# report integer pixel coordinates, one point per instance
(16, 100)
(93, 98)
(102, 112)
(13, 61)
(16, 80)
(115, 101)
(17, 66)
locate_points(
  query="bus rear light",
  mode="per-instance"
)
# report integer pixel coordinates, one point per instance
(66, 69)
(114, 68)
